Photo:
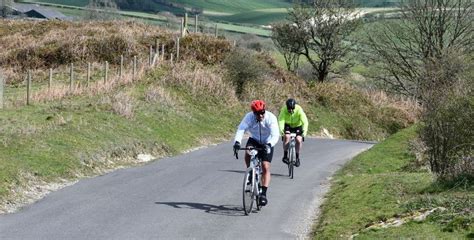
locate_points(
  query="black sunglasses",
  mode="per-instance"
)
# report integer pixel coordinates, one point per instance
(259, 112)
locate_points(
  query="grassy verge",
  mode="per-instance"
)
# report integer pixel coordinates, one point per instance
(381, 186)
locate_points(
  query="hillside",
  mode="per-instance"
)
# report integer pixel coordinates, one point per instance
(76, 128)
(238, 11)
(222, 6)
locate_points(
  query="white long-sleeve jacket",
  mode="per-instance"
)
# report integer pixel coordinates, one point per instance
(266, 131)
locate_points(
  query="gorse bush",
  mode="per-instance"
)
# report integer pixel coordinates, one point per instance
(57, 44)
(30, 45)
(243, 67)
(205, 49)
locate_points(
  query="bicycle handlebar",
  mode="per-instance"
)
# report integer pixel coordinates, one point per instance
(236, 154)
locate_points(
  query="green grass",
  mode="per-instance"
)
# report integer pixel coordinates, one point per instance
(231, 6)
(235, 6)
(77, 3)
(380, 184)
(263, 16)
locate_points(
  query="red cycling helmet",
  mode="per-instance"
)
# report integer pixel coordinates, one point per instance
(257, 105)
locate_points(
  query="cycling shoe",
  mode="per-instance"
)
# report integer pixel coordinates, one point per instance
(263, 200)
(297, 163)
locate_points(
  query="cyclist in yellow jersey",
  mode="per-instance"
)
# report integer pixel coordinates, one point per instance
(292, 119)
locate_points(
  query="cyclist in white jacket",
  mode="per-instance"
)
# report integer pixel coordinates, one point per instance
(264, 133)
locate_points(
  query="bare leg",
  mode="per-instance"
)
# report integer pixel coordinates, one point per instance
(286, 141)
(299, 143)
(266, 176)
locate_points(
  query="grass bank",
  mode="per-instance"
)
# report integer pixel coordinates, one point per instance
(383, 194)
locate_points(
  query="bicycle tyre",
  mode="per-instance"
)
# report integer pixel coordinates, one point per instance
(291, 162)
(248, 192)
(257, 196)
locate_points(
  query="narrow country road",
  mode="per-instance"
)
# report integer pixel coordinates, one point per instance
(192, 196)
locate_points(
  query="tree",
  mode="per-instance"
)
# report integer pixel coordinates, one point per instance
(102, 10)
(427, 54)
(5, 7)
(283, 36)
(317, 31)
(426, 31)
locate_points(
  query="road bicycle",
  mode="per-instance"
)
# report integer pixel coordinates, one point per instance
(292, 155)
(252, 185)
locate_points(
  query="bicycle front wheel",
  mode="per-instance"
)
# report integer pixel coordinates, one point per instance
(291, 162)
(248, 192)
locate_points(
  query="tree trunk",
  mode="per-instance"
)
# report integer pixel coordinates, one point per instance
(322, 75)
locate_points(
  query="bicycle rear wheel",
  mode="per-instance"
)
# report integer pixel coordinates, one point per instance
(258, 189)
(248, 192)
(291, 162)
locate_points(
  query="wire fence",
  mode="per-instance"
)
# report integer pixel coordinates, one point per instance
(87, 78)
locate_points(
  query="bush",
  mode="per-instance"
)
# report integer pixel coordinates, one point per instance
(122, 104)
(448, 116)
(205, 49)
(243, 66)
(449, 138)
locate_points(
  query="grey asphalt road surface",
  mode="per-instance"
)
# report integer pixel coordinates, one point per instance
(192, 196)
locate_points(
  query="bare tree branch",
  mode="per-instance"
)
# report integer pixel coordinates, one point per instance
(320, 29)
(426, 31)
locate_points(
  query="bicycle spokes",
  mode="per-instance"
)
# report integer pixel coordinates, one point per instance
(248, 192)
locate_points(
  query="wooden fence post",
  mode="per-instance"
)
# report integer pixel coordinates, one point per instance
(50, 81)
(182, 27)
(2, 83)
(216, 33)
(196, 23)
(134, 67)
(71, 77)
(28, 88)
(88, 73)
(150, 57)
(185, 22)
(106, 71)
(162, 52)
(177, 49)
(121, 67)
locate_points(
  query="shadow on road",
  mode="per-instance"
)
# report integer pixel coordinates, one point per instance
(242, 172)
(228, 210)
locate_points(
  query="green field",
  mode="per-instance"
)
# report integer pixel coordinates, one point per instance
(257, 12)
(261, 16)
(234, 6)
(230, 6)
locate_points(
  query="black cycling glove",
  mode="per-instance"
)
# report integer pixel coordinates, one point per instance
(236, 146)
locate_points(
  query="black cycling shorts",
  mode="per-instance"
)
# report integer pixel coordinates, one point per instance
(261, 154)
(297, 130)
